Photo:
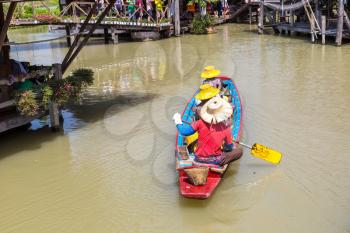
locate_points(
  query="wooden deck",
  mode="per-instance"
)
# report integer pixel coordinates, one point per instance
(107, 23)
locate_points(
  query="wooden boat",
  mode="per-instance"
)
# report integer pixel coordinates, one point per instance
(216, 172)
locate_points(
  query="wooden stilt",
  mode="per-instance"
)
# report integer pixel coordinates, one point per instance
(312, 22)
(261, 19)
(250, 14)
(177, 19)
(53, 107)
(114, 37)
(340, 22)
(323, 29)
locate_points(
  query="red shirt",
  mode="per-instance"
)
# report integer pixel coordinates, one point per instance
(211, 138)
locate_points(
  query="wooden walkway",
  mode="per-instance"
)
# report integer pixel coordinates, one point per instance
(107, 23)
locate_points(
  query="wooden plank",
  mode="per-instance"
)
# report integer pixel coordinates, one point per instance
(6, 104)
(7, 23)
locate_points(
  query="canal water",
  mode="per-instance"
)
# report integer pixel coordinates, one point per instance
(111, 168)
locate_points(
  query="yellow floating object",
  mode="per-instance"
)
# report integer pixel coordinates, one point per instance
(190, 139)
(210, 72)
(265, 153)
(207, 92)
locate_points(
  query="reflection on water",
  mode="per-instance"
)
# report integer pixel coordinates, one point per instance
(112, 167)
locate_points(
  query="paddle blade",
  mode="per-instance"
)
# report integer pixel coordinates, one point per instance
(265, 153)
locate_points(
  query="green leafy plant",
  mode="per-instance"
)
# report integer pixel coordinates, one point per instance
(27, 103)
(200, 23)
(62, 91)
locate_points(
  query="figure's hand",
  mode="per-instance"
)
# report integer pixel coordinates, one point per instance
(177, 119)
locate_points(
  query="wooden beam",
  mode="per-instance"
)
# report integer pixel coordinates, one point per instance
(86, 38)
(77, 37)
(7, 23)
(340, 23)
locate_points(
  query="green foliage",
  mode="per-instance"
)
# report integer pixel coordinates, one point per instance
(27, 103)
(41, 11)
(62, 91)
(200, 23)
(201, 3)
(56, 11)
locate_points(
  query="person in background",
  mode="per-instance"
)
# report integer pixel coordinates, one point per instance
(118, 6)
(139, 9)
(149, 9)
(131, 9)
(219, 4)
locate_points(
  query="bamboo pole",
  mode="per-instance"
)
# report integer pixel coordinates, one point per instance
(340, 23)
(323, 29)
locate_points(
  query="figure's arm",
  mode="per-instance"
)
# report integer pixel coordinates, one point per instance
(184, 129)
(228, 141)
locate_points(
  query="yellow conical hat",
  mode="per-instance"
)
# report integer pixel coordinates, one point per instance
(207, 92)
(210, 72)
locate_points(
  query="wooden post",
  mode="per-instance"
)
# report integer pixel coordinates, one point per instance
(323, 29)
(261, 19)
(53, 107)
(340, 23)
(69, 42)
(114, 36)
(177, 19)
(312, 28)
(250, 14)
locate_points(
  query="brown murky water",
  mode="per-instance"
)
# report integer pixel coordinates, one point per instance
(112, 167)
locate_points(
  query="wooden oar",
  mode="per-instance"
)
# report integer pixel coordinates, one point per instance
(260, 151)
